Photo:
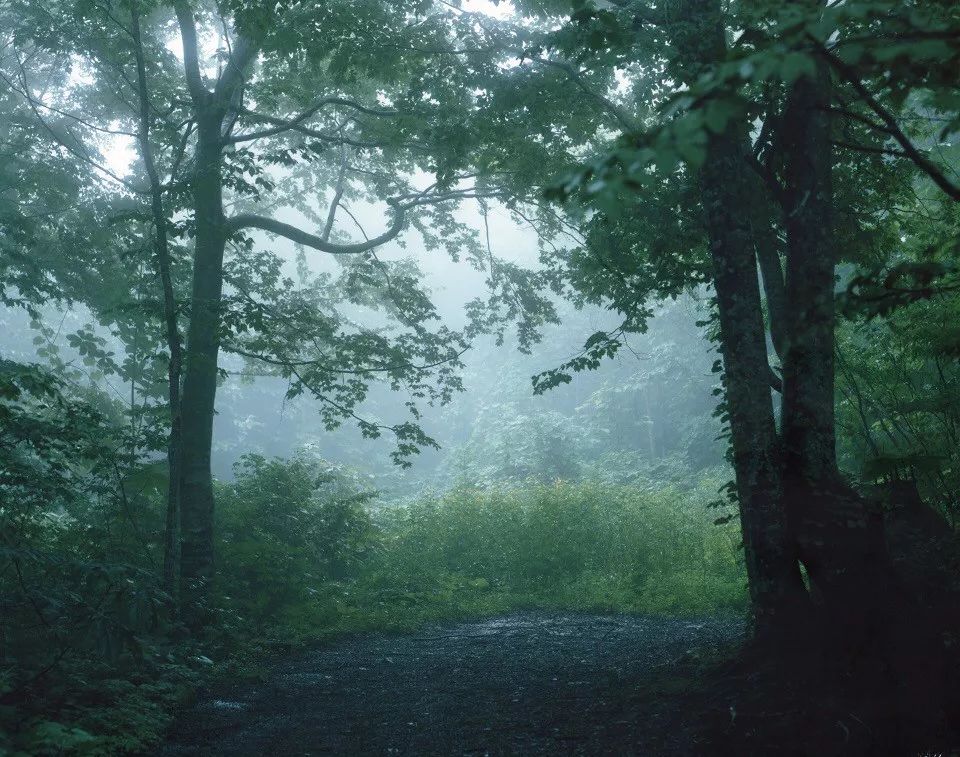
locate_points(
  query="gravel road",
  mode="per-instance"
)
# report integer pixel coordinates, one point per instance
(525, 684)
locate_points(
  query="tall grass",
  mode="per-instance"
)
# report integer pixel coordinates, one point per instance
(300, 557)
(572, 546)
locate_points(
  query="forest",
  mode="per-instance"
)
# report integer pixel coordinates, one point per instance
(479, 377)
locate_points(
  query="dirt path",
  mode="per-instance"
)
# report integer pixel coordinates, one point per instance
(531, 684)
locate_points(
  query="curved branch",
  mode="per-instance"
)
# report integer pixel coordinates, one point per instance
(271, 225)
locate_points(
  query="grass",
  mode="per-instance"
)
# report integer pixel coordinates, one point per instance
(567, 547)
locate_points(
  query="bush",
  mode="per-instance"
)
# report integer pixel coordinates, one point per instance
(287, 530)
(88, 664)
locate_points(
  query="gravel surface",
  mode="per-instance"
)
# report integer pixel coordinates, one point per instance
(529, 683)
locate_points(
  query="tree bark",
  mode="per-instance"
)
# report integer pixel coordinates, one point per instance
(840, 536)
(203, 347)
(728, 189)
(211, 109)
(808, 399)
(203, 334)
(776, 585)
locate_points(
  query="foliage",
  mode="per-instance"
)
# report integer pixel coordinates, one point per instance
(347, 150)
(87, 660)
(510, 446)
(898, 382)
(287, 529)
(577, 546)
(646, 417)
(330, 559)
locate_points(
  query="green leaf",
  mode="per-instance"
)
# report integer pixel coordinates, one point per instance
(796, 65)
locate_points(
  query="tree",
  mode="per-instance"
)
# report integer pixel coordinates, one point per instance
(111, 46)
(220, 114)
(161, 243)
(727, 188)
(382, 111)
(624, 263)
(780, 76)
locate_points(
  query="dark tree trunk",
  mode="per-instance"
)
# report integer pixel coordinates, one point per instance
(776, 586)
(203, 335)
(728, 189)
(872, 626)
(840, 533)
(203, 346)
(808, 398)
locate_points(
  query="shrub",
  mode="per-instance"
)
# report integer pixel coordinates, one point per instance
(301, 554)
(286, 531)
(87, 665)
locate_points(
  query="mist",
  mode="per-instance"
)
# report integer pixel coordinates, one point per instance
(446, 377)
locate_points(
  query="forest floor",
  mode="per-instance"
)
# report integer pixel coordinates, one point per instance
(527, 683)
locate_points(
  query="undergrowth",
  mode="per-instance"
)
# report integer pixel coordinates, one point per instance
(305, 554)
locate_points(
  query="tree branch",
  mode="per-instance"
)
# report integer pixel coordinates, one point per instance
(78, 150)
(622, 117)
(191, 55)
(337, 196)
(296, 123)
(244, 51)
(869, 149)
(322, 363)
(252, 221)
(892, 127)
(859, 117)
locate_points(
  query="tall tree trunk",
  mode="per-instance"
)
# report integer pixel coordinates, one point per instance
(840, 535)
(171, 542)
(728, 189)
(203, 335)
(873, 627)
(776, 585)
(203, 346)
(808, 397)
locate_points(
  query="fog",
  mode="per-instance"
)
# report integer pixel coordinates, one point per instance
(254, 415)
(445, 377)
